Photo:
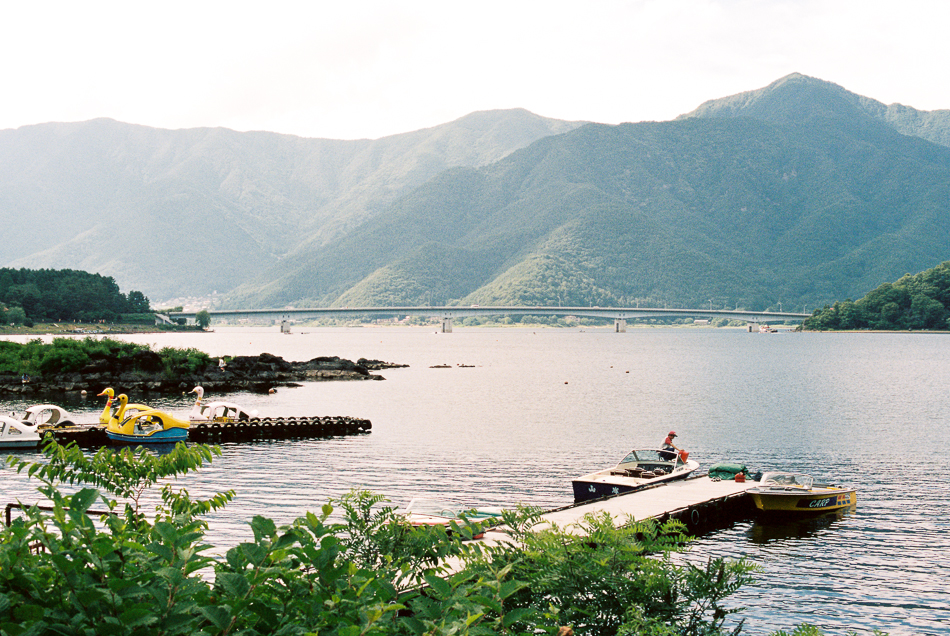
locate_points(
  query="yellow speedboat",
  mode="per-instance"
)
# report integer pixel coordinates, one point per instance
(798, 493)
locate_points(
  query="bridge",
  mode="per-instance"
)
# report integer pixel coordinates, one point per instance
(449, 314)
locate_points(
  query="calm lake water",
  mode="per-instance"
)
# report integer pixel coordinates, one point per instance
(536, 408)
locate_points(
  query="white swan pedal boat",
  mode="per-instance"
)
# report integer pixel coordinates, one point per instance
(16, 433)
(641, 467)
(220, 412)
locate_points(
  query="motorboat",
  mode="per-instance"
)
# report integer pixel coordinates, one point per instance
(218, 412)
(16, 433)
(641, 467)
(149, 426)
(423, 511)
(799, 494)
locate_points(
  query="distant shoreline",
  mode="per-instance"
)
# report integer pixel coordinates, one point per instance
(85, 329)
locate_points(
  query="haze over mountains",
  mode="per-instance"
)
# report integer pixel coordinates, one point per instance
(800, 193)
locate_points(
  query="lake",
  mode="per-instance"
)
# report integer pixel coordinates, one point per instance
(531, 409)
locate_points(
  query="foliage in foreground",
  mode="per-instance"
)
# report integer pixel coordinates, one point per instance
(918, 302)
(355, 570)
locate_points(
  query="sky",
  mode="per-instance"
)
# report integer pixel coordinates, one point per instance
(373, 68)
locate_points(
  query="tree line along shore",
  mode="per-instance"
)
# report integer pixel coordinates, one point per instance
(77, 364)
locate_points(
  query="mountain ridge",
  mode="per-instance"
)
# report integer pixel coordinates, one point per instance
(799, 192)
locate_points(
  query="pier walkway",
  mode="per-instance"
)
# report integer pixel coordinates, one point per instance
(699, 502)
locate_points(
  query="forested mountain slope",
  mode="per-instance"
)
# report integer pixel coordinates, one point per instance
(809, 201)
(795, 195)
(176, 212)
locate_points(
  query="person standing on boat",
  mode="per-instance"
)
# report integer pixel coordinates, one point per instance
(669, 446)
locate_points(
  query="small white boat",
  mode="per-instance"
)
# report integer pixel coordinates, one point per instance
(423, 511)
(18, 434)
(641, 467)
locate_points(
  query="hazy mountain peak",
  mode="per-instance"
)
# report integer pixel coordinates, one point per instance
(796, 98)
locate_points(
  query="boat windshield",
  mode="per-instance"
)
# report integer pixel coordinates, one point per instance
(432, 507)
(784, 480)
(650, 456)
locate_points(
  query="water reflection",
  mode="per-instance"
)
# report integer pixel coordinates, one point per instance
(769, 528)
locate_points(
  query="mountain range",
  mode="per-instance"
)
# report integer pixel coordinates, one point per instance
(791, 196)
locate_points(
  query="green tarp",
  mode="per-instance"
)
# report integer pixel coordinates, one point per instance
(727, 471)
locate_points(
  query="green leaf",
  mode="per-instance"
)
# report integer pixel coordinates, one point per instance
(220, 617)
(138, 617)
(263, 527)
(414, 624)
(490, 603)
(517, 614)
(83, 500)
(234, 584)
(439, 585)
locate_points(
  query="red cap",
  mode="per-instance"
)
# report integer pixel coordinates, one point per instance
(672, 433)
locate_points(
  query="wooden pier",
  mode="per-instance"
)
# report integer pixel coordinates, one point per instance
(242, 431)
(699, 502)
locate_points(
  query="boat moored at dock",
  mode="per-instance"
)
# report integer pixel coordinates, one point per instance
(148, 427)
(15, 433)
(641, 467)
(796, 493)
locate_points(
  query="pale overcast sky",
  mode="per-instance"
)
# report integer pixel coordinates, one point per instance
(355, 69)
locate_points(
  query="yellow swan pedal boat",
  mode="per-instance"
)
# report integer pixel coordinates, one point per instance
(149, 426)
(798, 493)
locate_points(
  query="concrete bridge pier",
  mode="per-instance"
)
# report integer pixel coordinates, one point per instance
(620, 325)
(446, 325)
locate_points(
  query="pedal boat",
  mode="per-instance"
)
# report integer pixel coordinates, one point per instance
(641, 467)
(150, 426)
(218, 412)
(44, 416)
(799, 494)
(16, 433)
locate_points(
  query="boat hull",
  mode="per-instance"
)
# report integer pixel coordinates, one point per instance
(166, 436)
(18, 443)
(603, 484)
(806, 502)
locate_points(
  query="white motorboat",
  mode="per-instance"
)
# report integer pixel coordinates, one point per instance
(641, 467)
(18, 434)
(423, 511)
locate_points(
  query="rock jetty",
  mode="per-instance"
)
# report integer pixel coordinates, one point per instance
(144, 372)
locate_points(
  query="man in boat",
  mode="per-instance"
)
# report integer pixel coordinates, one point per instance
(668, 446)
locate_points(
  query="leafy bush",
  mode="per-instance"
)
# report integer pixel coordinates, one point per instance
(178, 362)
(66, 355)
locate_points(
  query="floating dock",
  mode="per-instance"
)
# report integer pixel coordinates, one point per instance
(699, 502)
(242, 431)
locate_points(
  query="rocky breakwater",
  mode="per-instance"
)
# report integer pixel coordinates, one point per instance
(147, 371)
